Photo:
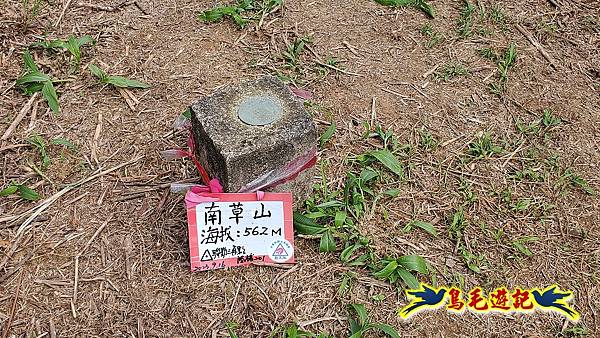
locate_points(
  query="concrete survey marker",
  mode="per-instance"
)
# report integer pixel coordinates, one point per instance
(253, 133)
(260, 110)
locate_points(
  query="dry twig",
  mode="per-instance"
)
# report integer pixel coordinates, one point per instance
(537, 45)
(49, 201)
(338, 69)
(13, 308)
(112, 8)
(19, 117)
(62, 14)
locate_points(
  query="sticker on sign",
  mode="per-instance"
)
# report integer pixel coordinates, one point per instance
(238, 229)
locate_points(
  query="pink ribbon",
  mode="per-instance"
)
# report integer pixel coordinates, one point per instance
(202, 194)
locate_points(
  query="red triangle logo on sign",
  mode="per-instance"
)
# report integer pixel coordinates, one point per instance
(280, 251)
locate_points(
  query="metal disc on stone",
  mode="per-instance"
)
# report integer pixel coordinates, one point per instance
(260, 110)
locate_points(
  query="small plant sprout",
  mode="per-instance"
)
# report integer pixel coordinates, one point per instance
(393, 270)
(24, 192)
(117, 81)
(292, 331)
(528, 129)
(451, 70)
(544, 124)
(473, 261)
(434, 37)
(360, 323)
(324, 68)
(40, 144)
(327, 134)
(489, 54)
(497, 15)
(456, 231)
(576, 181)
(468, 194)
(465, 21)
(386, 136)
(346, 284)
(530, 174)
(234, 12)
(427, 141)
(33, 80)
(231, 328)
(507, 62)
(521, 205)
(425, 226)
(483, 146)
(420, 4)
(378, 298)
(549, 119)
(72, 44)
(244, 12)
(31, 9)
(520, 245)
(292, 54)
(457, 226)
(389, 160)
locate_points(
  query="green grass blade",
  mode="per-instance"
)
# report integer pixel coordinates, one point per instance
(387, 329)
(33, 77)
(27, 193)
(64, 142)
(389, 160)
(392, 192)
(330, 204)
(211, 15)
(49, 94)
(394, 2)
(348, 251)
(85, 40)
(427, 227)
(327, 243)
(239, 20)
(386, 271)
(37, 141)
(29, 63)
(420, 4)
(33, 87)
(307, 226)
(360, 310)
(414, 263)
(97, 72)
(327, 134)
(426, 7)
(73, 48)
(408, 278)
(11, 189)
(340, 219)
(56, 44)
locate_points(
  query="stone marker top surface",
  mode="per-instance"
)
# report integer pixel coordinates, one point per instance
(253, 115)
(260, 110)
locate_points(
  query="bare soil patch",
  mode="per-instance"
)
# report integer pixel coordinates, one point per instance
(109, 258)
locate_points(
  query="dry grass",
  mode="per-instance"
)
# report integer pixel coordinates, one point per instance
(110, 258)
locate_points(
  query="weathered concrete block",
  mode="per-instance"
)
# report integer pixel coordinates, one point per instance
(247, 133)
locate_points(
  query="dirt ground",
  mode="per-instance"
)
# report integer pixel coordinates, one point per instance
(110, 257)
